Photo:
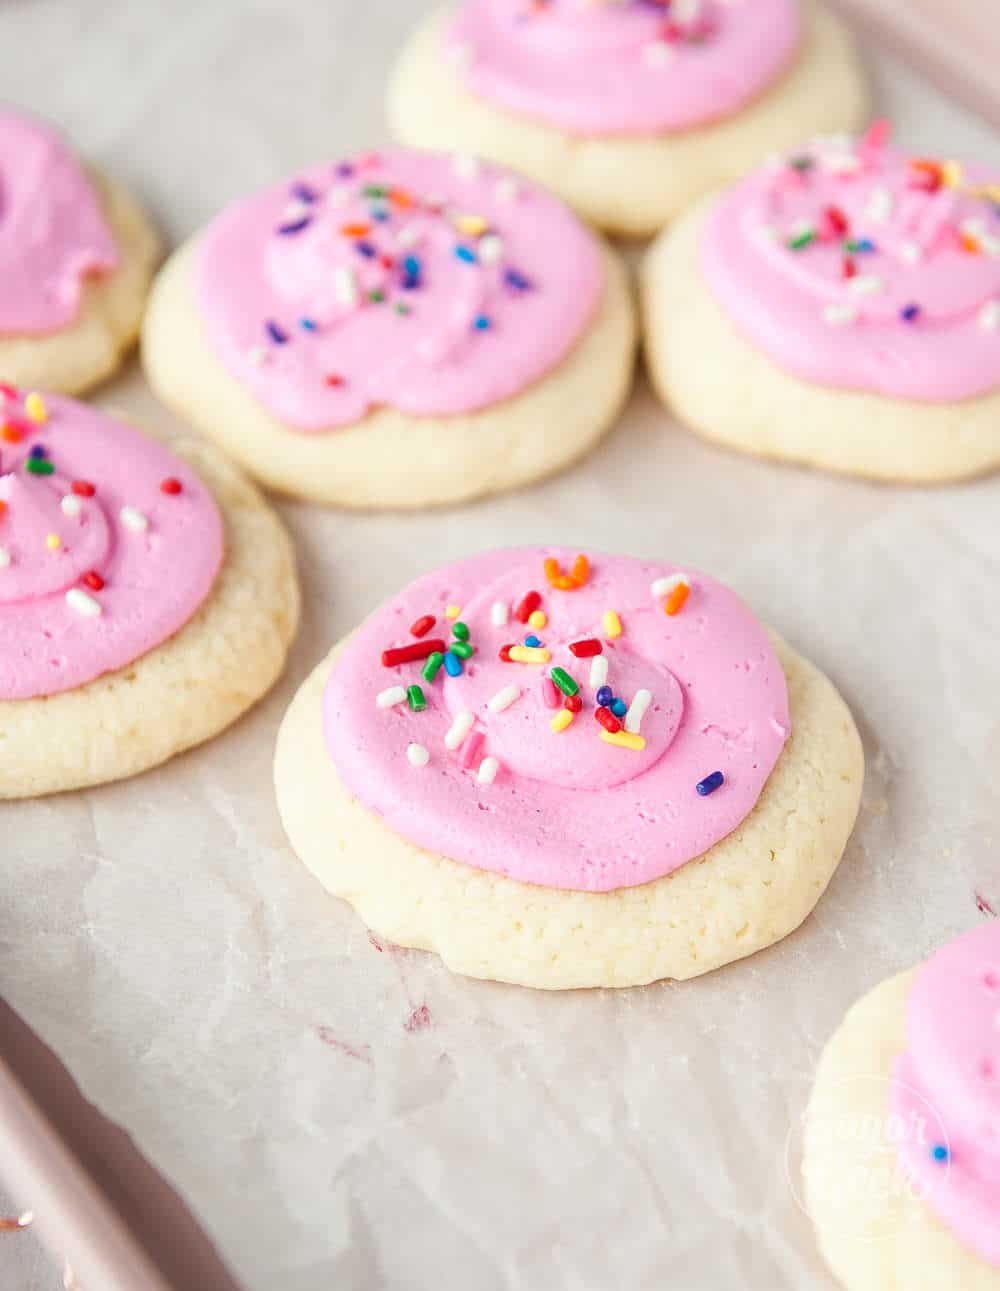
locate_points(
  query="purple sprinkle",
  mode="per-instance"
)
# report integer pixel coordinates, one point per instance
(517, 281)
(910, 313)
(366, 249)
(38, 451)
(274, 331)
(710, 784)
(304, 193)
(296, 226)
(344, 170)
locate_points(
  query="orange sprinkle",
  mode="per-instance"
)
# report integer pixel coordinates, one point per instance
(675, 601)
(3, 506)
(969, 243)
(580, 572)
(11, 434)
(355, 230)
(401, 198)
(567, 582)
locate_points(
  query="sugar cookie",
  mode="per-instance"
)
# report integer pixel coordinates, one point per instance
(397, 330)
(629, 113)
(901, 1143)
(147, 596)
(76, 257)
(640, 786)
(850, 295)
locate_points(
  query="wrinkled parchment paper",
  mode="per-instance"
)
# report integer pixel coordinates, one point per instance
(343, 1115)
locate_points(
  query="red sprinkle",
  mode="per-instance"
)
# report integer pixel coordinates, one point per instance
(837, 220)
(505, 652)
(573, 702)
(171, 487)
(528, 606)
(83, 489)
(423, 625)
(586, 649)
(608, 720)
(411, 653)
(334, 379)
(93, 580)
(849, 268)
(7, 390)
(550, 695)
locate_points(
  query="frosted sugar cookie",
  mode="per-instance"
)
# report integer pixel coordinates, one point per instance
(76, 257)
(629, 111)
(396, 330)
(840, 307)
(147, 596)
(902, 1134)
(563, 772)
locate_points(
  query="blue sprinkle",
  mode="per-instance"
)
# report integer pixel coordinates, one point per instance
(380, 213)
(516, 280)
(304, 193)
(618, 707)
(412, 266)
(296, 226)
(532, 641)
(38, 451)
(940, 1153)
(365, 249)
(274, 331)
(866, 245)
(465, 253)
(604, 696)
(910, 313)
(452, 664)
(710, 783)
(482, 323)
(308, 323)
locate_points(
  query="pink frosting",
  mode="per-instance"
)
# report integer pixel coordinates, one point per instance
(566, 810)
(951, 1065)
(53, 234)
(897, 286)
(639, 67)
(99, 531)
(437, 285)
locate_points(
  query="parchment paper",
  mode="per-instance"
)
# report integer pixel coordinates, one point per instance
(343, 1115)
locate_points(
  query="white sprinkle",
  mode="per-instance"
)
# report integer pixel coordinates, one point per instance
(879, 205)
(391, 697)
(467, 167)
(78, 600)
(500, 614)
(598, 671)
(989, 316)
(865, 284)
(488, 769)
(504, 698)
(4, 557)
(657, 53)
(295, 210)
(974, 227)
(71, 506)
(132, 518)
(840, 315)
(459, 729)
(338, 196)
(664, 586)
(911, 252)
(990, 244)
(770, 232)
(507, 188)
(345, 285)
(256, 356)
(490, 249)
(841, 163)
(685, 10)
(408, 237)
(418, 755)
(641, 700)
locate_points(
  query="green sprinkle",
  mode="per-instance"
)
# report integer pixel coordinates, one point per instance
(401, 308)
(375, 190)
(376, 296)
(803, 240)
(415, 698)
(853, 246)
(564, 681)
(463, 649)
(802, 163)
(460, 631)
(39, 466)
(433, 665)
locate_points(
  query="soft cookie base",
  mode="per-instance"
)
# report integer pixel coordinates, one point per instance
(78, 356)
(391, 459)
(186, 690)
(631, 184)
(718, 383)
(889, 1238)
(745, 893)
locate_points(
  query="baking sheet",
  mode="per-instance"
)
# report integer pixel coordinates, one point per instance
(340, 1113)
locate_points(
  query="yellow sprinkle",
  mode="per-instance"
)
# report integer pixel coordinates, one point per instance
(530, 654)
(624, 740)
(452, 611)
(612, 624)
(35, 407)
(992, 191)
(53, 542)
(473, 225)
(537, 619)
(561, 720)
(952, 173)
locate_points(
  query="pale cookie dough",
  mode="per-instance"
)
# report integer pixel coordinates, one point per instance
(631, 184)
(86, 351)
(873, 1230)
(745, 893)
(184, 691)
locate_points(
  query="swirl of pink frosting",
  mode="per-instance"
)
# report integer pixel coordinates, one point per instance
(480, 775)
(108, 545)
(952, 1065)
(854, 266)
(638, 67)
(434, 284)
(53, 234)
